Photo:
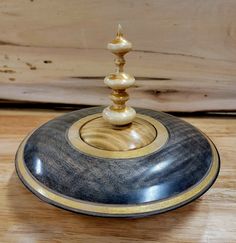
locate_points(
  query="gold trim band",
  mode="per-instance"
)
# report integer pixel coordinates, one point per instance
(115, 210)
(77, 142)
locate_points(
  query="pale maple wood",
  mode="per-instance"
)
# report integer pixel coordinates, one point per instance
(184, 52)
(24, 218)
(119, 113)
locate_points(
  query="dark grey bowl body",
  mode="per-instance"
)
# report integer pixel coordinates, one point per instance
(183, 164)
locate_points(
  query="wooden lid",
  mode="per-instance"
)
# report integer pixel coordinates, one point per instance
(103, 135)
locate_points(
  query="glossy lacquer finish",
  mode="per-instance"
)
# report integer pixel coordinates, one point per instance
(181, 164)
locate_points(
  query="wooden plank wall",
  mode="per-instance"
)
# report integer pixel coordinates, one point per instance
(184, 56)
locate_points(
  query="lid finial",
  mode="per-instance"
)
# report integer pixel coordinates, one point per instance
(120, 30)
(118, 113)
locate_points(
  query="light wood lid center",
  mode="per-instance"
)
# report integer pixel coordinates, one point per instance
(102, 135)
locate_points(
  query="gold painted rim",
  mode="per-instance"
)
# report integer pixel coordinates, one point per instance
(78, 143)
(115, 210)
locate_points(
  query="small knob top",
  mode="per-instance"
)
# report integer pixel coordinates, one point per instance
(118, 113)
(119, 45)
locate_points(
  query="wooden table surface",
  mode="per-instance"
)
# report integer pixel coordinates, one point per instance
(25, 218)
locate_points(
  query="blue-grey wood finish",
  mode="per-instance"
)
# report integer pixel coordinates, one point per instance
(178, 166)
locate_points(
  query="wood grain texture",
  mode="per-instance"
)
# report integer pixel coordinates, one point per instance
(183, 59)
(166, 178)
(99, 134)
(24, 218)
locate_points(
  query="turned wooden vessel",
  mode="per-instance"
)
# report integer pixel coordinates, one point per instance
(118, 161)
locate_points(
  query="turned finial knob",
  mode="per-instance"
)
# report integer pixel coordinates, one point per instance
(118, 113)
